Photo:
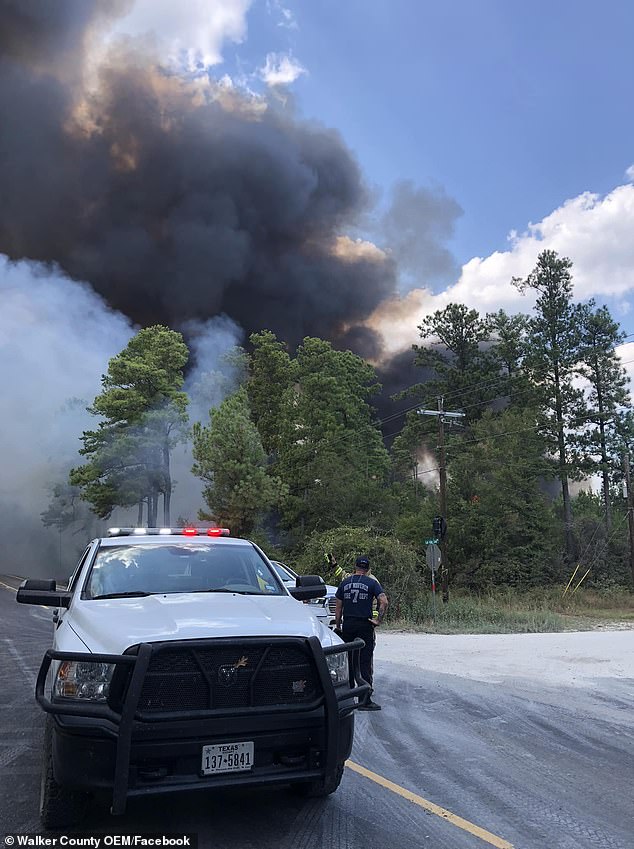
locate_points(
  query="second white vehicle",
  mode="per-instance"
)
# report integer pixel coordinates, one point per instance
(323, 608)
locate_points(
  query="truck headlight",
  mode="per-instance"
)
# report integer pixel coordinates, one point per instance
(338, 667)
(83, 680)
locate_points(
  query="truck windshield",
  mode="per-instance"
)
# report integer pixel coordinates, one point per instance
(137, 570)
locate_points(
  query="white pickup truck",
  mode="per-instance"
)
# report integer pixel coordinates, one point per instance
(181, 662)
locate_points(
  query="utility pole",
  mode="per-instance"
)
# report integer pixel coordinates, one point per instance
(442, 474)
(630, 508)
(441, 414)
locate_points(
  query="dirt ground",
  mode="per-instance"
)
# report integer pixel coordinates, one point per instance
(571, 658)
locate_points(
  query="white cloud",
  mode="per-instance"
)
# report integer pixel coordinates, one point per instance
(594, 231)
(286, 17)
(189, 31)
(281, 69)
(629, 173)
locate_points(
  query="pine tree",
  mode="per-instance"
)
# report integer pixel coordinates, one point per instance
(462, 369)
(553, 352)
(607, 396)
(230, 459)
(331, 452)
(498, 503)
(143, 415)
(509, 337)
(271, 375)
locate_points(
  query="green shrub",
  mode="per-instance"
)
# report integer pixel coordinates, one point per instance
(396, 565)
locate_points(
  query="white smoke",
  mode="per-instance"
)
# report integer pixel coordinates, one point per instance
(56, 337)
(215, 366)
(215, 373)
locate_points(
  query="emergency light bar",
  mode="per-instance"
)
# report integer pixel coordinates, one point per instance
(185, 532)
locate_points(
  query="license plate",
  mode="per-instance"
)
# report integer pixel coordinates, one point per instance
(227, 757)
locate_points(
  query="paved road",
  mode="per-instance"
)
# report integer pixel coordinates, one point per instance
(536, 768)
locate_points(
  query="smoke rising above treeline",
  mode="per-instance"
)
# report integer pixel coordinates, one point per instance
(135, 192)
(178, 197)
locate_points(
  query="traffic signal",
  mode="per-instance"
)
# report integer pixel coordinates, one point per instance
(439, 527)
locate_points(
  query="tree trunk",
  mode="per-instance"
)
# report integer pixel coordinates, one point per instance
(139, 518)
(606, 493)
(167, 498)
(630, 509)
(563, 474)
(604, 453)
(570, 540)
(442, 475)
(152, 508)
(167, 492)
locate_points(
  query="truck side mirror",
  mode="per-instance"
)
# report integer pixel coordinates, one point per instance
(307, 587)
(33, 591)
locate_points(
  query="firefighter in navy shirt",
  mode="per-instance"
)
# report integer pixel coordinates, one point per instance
(355, 595)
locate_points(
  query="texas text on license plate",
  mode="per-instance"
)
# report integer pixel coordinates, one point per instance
(227, 757)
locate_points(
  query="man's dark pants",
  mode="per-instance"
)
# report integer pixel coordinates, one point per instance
(353, 628)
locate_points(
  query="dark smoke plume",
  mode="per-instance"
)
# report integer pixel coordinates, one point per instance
(396, 375)
(43, 34)
(416, 226)
(175, 199)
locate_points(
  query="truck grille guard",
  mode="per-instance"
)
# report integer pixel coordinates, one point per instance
(336, 700)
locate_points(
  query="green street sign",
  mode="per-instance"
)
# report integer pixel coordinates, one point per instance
(431, 541)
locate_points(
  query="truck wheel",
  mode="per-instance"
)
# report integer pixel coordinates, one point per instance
(321, 787)
(59, 806)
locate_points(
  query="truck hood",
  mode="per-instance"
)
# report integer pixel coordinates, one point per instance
(110, 626)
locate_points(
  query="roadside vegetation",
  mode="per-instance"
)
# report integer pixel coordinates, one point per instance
(296, 458)
(511, 611)
(468, 614)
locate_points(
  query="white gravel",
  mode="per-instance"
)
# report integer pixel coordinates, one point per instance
(572, 658)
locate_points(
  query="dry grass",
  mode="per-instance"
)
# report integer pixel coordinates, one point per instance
(510, 611)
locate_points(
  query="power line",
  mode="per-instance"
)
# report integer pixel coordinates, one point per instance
(474, 388)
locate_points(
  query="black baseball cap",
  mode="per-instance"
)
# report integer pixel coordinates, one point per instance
(363, 562)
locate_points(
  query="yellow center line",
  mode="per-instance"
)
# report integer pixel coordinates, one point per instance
(454, 819)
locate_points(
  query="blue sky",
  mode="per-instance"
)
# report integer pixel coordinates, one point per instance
(512, 107)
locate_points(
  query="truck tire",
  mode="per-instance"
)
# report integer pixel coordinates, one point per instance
(59, 806)
(321, 787)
